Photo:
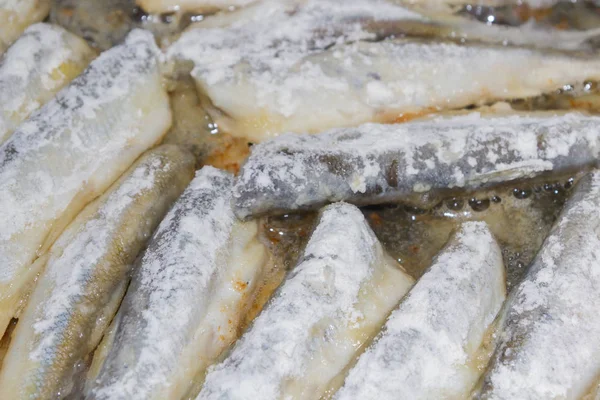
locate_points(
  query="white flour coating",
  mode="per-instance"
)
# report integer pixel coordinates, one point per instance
(375, 162)
(16, 15)
(301, 339)
(70, 150)
(550, 346)
(163, 6)
(40, 63)
(170, 292)
(441, 4)
(82, 284)
(307, 66)
(427, 343)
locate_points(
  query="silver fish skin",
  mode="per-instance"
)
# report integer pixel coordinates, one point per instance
(39, 64)
(70, 151)
(86, 274)
(550, 331)
(428, 342)
(186, 299)
(377, 163)
(17, 15)
(260, 78)
(334, 300)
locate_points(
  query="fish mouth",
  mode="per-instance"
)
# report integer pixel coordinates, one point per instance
(391, 198)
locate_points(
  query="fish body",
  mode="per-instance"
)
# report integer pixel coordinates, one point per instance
(308, 66)
(86, 274)
(186, 299)
(70, 151)
(549, 338)
(39, 64)
(17, 15)
(377, 163)
(333, 302)
(428, 343)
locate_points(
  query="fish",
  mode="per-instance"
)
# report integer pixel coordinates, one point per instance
(427, 346)
(378, 163)
(38, 65)
(195, 6)
(549, 331)
(85, 277)
(308, 66)
(70, 151)
(331, 303)
(187, 297)
(17, 15)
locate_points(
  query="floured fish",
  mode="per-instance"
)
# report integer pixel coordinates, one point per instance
(17, 15)
(40, 63)
(196, 6)
(70, 150)
(428, 346)
(381, 163)
(550, 343)
(307, 66)
(186, 299)
(85, 277)
(333, 302)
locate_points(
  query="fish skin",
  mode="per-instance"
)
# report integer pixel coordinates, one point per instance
(428, 342)
(376, 163)
(39, 64)
(549, 334)
(186, 298)
(17, 15)
(331, 303)
(90, 262)
(69, 151)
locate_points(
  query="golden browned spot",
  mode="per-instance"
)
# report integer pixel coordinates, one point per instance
(239, 285)
(230, 155)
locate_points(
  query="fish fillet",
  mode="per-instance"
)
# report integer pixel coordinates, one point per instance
(70, 150)
(307, 66)
(381, 163)
(429, 343)
(85, 277)
(550, 343)
(17, 15)
(39, 64)
(186, 298)
(335, 299)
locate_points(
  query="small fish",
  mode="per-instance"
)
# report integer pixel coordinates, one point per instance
(70, 151)
(17, 15)
(86, 275)
(335, 299)
(428, 344)
(377, 163)
(549, 338)
(186, 299)
(196, 6)
(39, 64)
(343, 64)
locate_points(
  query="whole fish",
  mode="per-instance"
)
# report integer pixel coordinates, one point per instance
(376, 163)
(335, 299)
(17, 15)
(186, 299)
(307, 66)
(549, 342)
(69, 151)
(86, 275)
(39, 64)
(428, 344)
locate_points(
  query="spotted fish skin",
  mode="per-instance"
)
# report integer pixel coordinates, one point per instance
(86, 274)
(186, 299)
(376, 163)
(549, 337)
